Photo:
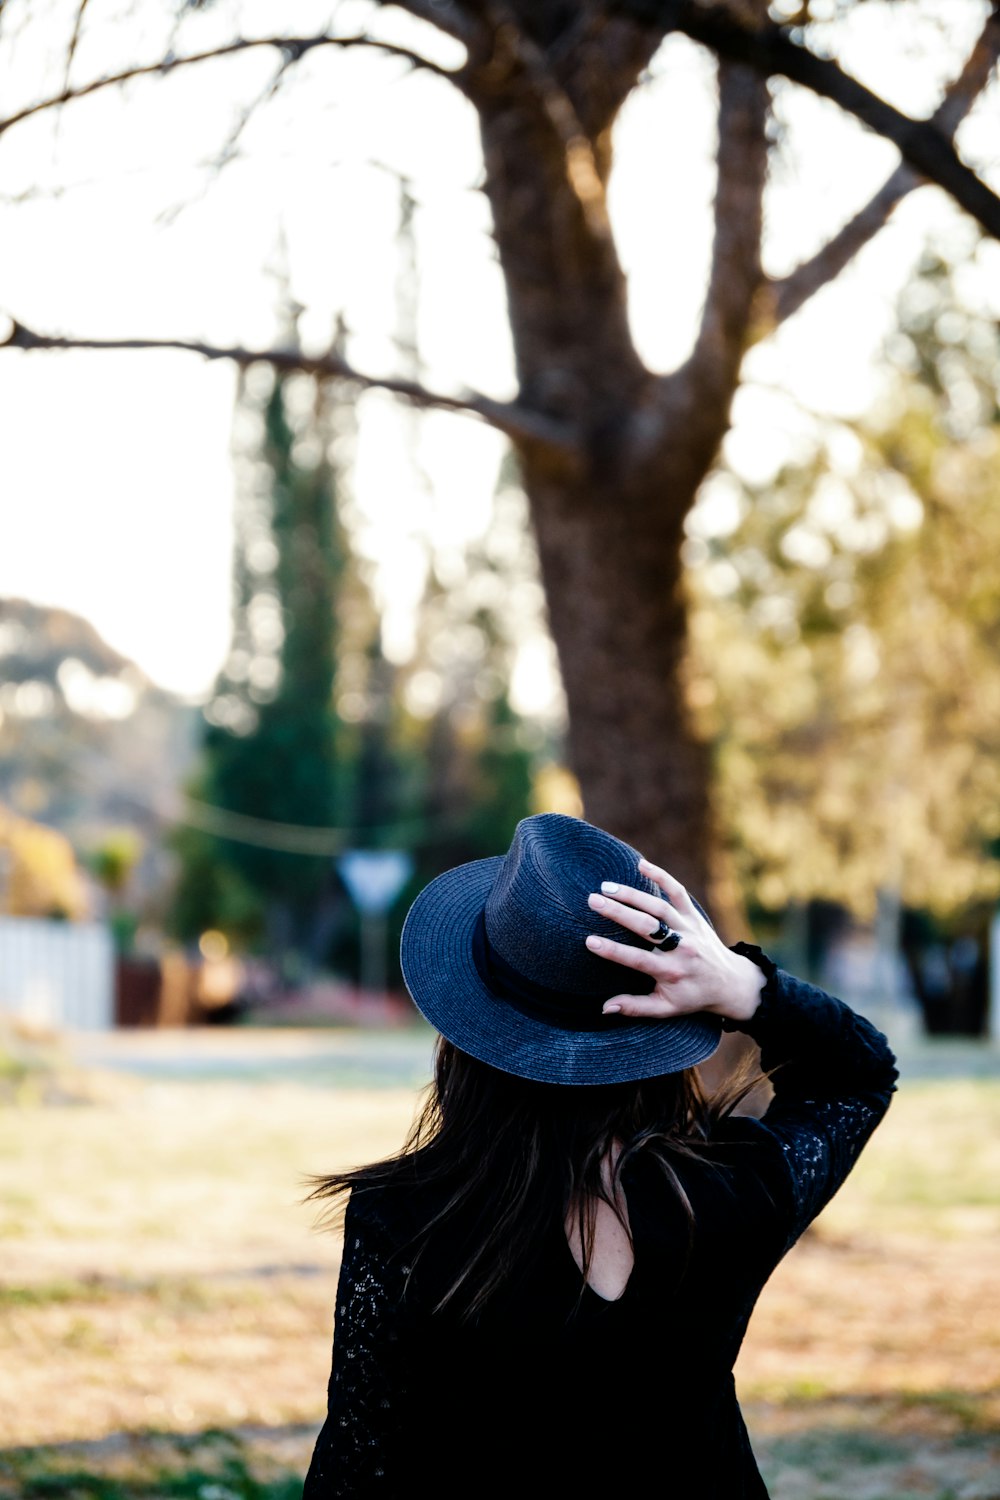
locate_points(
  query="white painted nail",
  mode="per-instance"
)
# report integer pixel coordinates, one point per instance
(610, 886)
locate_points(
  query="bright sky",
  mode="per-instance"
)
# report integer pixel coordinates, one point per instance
(114, 468)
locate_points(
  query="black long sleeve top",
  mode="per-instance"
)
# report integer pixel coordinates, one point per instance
(553, 1392)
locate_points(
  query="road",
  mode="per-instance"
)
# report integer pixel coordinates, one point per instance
(401, 1057)
(360, 1057)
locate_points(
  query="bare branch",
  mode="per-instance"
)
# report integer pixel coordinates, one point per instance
(771, 50)
(520, 423)
(785, 295)
(703, 386)
(74, 41)
(228, 150)
(293, 48)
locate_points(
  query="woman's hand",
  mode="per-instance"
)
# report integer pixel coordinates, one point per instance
(700, 973)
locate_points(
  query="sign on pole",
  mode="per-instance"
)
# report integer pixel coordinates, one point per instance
(374, 878)
(993, 1025)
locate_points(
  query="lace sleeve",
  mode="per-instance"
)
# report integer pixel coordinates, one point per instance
(355, 1454)
(834, 1078)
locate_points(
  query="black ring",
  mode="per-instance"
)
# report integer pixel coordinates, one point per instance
(664, 938)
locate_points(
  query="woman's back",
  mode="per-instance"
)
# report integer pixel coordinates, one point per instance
(550, 1371)
(606, 1262)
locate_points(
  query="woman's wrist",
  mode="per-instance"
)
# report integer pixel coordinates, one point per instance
(743, 996)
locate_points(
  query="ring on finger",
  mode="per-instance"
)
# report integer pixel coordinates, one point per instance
(664, 938)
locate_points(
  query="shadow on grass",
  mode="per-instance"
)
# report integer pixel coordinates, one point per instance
(263, 1463)
(928, 1445)
(834, 1465)
(806, 1451)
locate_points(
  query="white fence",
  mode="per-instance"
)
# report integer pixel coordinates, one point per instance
(58, 974)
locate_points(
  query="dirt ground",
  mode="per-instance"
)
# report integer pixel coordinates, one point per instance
(166, 1295)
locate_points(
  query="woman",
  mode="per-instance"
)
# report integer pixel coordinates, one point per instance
(546, 1290)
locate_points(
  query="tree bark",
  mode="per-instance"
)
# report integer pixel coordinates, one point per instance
(612, 572)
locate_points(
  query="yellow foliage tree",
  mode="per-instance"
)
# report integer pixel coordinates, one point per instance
(41, 877)
(847, 643)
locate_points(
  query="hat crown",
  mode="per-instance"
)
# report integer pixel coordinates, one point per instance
(537, 915)
(494, 954)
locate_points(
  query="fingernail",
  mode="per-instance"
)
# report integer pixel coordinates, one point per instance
(610, 886)
(611, 1009)
(594, 942)
(596, 900)
(644, 861)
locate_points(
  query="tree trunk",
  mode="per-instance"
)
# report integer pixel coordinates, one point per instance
(609, 518)
(613, 578)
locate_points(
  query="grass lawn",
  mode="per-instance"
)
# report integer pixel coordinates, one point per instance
(166, 1297)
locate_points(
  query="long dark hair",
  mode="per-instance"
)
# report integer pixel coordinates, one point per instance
(537, 1153)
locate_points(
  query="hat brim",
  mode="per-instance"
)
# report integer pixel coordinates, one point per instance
(448, 990)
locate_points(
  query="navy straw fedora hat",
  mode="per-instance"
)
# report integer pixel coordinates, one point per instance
(493, 954)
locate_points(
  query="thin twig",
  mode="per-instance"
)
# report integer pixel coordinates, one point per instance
(292, 47)
(227, 151)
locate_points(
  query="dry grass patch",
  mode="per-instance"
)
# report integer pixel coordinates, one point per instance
(167, 1297)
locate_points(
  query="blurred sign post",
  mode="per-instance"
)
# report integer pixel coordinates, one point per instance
(993, 1024)
(374, 878)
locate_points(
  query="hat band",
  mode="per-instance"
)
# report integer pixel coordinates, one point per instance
(562, 1008)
